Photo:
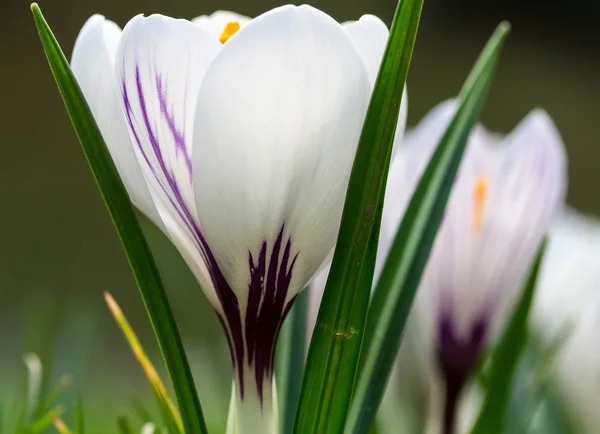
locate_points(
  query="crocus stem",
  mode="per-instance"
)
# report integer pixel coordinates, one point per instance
(453, 391)
(252, 412)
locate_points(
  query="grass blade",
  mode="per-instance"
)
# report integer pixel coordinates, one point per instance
(53, 395)
(291, 352)
(410, 250)
(123, 216)
(43, 422)
(140, 410)
(506, 357)
(335, 346)
(79, 419)
(60, 426)
(124, 426)
(170, 415)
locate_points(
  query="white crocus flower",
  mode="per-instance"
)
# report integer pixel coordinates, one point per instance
(236, 136)
(567, 311)
(505, 198)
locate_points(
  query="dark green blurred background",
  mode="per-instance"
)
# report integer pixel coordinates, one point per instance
(59, 252)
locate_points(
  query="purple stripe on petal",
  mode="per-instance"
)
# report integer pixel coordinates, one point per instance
(270, 274)
(267, 292)
(178, 136)
(173, 199)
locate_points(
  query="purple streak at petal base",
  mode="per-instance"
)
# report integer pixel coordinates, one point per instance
(174, 199)
(269, 282)
(456, 358)
(266, 311)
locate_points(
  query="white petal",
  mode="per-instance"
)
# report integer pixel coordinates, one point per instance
(570, 275)
(93, 66)
(278, 120)
(317, 287)
(370, 36)
(578, 366)
(160, 64)
(482, 270)
(409, 163)
(215, 23)
(526, 192)
(148, 428)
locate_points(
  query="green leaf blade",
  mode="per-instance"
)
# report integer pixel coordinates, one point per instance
(506, 357)
(335, 347)
(289, 362)
(124, 425)
(121, 211)
(397, 286)
(79, 416)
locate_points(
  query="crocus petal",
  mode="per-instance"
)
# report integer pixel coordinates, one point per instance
(525, 180)
(277, 124)
(216, 22)
(409, 163)
(577, 366)
(570, 274)
(525, 193)
(160, 64)
(93, 66)
(370, 36)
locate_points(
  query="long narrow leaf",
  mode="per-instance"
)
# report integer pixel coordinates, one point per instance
(506, 358)
(291, 352)
(335, 346)
(404, 266)
(123, 216)
(60, 426)
(53, 395)
(124, 425)
(79, 418)
(169, 412)
(40, 424)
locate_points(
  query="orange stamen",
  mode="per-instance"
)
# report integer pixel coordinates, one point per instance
(230, 29)
(480, 194)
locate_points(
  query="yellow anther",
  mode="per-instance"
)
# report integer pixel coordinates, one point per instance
(480, 194)
(230, 29)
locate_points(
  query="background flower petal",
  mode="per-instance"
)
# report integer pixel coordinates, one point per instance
(526, 192)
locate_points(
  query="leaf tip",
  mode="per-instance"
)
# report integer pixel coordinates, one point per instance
(112, 304)
(503, 30)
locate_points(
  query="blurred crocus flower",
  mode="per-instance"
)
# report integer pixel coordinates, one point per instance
(567, 312)
(236, 137)
(504, 200)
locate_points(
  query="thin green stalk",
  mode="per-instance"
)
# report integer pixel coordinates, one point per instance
(121, 211)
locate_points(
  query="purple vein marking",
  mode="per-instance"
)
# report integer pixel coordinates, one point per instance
(269, 282)
(266, 311)
(178, 136)
(170, 188)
